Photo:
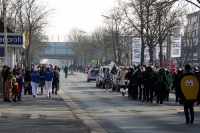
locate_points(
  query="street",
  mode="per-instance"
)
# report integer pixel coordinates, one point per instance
(81, 107)
(119, 114)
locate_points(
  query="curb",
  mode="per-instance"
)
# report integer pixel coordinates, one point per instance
(87, 122)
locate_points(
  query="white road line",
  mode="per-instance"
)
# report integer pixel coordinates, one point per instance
(70, 83)
(34, 116)
(179, 109)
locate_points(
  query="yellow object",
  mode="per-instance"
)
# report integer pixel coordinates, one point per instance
(190, 87)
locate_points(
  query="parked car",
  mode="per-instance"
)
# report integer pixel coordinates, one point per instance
(92, 74)
(100, 80)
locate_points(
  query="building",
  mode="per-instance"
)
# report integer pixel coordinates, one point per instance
(190, 45)
(15, 44)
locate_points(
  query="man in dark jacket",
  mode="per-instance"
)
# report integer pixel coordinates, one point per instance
(176, 86)
(128, 77)
(138, 82)
(160, 86)
(3, 72)
(149, 79)
(41, 79)
(27, 79)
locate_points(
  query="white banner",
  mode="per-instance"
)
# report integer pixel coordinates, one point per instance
(136, 48)
(176, 42)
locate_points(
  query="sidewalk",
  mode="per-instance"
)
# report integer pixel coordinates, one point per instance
(40, 115)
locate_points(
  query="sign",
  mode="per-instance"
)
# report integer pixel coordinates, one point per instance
(176, 42)
(136, 48)
(14, 40)
(1, 52)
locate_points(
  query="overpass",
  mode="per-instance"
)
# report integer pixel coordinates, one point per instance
(58, 53)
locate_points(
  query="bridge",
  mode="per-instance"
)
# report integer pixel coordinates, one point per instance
(58, 53)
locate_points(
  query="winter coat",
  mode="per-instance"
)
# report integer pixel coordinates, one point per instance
(149, 78)
(19, 78)
(48, 75)
(55, 80)
(161, 80)
(122, 77)
(169, 80)
(27, 76)
(35, 77)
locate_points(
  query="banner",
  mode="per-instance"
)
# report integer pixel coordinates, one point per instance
(176, 42)
(136, 48)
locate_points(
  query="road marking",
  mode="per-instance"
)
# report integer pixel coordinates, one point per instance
(34, 116)
(179, 109)
(97, 89)
(70, 83)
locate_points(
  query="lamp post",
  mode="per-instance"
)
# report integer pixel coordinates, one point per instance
(5, 31)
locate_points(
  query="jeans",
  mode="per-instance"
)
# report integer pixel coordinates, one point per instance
(66, 73)
(41, 85)
(19, 94)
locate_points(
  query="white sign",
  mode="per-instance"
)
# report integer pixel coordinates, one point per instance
(176, 42)
(136, 48)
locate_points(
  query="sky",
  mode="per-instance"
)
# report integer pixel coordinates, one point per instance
(83, 14)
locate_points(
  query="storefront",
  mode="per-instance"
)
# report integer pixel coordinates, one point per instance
(15, 44)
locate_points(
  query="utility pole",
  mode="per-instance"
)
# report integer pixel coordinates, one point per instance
(5, 32)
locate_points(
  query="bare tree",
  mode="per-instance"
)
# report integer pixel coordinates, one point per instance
(30, 18)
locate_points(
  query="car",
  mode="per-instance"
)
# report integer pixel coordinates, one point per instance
(100, 80)
(92, 74)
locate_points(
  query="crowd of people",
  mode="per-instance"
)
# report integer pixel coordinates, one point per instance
(147, 82)
(28, 80)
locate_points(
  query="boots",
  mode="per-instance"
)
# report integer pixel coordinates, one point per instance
(122, 93)
(192, 119)
(187, 120)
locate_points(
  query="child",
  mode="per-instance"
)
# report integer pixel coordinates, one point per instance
(55, 83)
(15, 89)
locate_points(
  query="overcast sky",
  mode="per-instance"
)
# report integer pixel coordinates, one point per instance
(84, 14)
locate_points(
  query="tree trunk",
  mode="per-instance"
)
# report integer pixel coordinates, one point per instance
(151, 55)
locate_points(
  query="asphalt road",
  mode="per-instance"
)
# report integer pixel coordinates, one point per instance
(117, 114)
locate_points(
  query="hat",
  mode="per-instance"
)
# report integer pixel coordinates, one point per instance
(47, 66)
(35, 69)
(187, 66)
(180, 69)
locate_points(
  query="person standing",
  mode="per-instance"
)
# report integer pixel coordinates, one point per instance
(149, 79)
(27, 79)
(188, 104)
(41, 79)
(3, 72)
(107, 79)
(121, 81)
(15, 70)
(168, 87)
(66, 69)
(128, 77)
(48, 76)
(20, 80)
(161, 88)
(35, 80)
(176, 86)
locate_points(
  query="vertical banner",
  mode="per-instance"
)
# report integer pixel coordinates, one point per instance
(136, 48)
(176, 42)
